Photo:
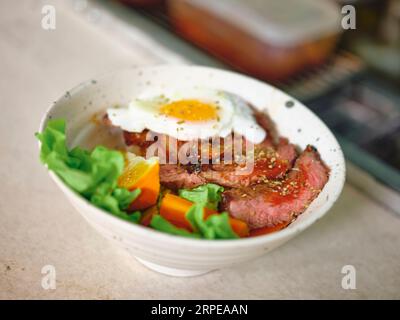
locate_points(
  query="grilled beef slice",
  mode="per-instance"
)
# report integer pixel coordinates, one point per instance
(174, 177)
(269, 163)
(278, 201)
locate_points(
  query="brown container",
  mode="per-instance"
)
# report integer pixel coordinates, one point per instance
(271, 40)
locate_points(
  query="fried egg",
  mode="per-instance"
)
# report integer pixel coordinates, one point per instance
(189, 114)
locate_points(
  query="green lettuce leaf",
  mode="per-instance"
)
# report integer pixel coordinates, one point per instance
(92, 174)
(208, 195)
(216, 226)
(161, 224)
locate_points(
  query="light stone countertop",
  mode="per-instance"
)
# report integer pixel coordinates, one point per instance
(39, 227)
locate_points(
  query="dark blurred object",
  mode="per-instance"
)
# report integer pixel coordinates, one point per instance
(271, 40)
(143, 3)
(338, 71)
(390, 27)
(377, 37)
(365, 117)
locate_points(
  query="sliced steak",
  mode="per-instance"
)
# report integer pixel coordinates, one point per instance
(268, 164)
(278, 201)
(176, 177)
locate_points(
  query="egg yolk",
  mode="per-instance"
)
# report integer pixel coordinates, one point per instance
(190, 110)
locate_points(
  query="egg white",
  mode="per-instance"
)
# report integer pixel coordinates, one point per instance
(234, 115)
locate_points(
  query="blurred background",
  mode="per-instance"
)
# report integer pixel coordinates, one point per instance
(345, 67)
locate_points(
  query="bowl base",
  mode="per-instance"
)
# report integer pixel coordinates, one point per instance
(172, 271)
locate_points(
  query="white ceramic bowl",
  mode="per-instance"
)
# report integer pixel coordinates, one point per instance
(180, 256)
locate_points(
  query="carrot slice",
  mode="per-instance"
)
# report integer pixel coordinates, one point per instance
(239, 227)
(143, 174)
(174, 208)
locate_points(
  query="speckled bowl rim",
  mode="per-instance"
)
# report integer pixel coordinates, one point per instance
(155, 235)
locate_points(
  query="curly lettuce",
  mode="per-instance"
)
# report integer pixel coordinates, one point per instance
(208, 195)
(216, 226)
(93, 174)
